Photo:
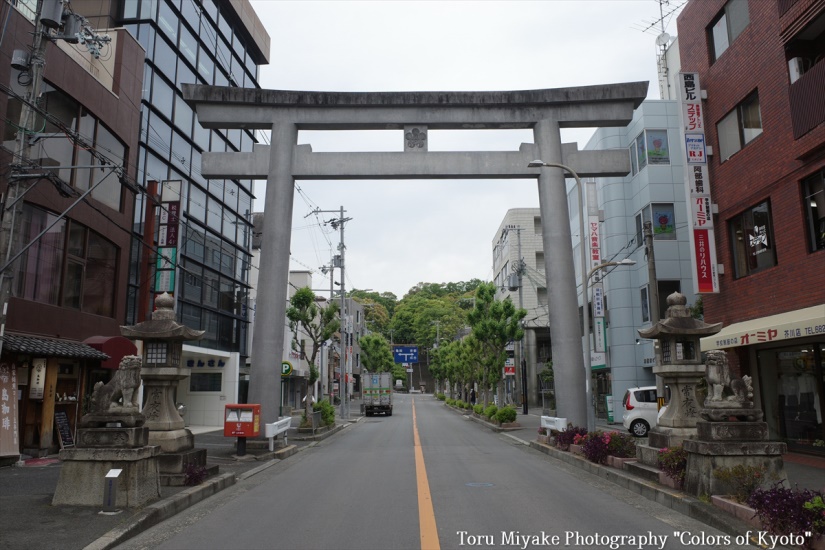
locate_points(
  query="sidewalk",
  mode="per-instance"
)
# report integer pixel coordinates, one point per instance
(30, 520)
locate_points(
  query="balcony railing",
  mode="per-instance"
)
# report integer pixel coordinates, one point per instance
(807, 105)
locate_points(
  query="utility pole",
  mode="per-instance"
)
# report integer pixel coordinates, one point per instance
(345, 358)
(653, 283)
(519, 269)
(12, 198)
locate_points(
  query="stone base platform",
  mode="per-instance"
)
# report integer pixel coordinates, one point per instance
(172, 441)
(173, 466)
(83, 476)
(728, 444)
(663, 436)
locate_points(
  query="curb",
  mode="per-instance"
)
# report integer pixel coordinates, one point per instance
(684, 504)
(164, 509)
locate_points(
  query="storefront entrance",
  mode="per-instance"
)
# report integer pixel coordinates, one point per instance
(792, 382)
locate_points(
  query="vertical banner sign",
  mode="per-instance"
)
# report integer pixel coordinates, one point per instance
(168, 237)
(697, 187)
(595, 255)
(9, 435)
(37, 384)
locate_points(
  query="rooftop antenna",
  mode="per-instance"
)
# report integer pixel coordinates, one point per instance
(667, 9)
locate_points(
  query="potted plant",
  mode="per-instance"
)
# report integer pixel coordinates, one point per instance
(740, 481)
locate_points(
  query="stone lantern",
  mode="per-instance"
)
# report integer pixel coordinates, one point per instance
(163, 339)
(679, 363)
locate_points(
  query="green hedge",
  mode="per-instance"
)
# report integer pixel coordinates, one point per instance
(506, 414)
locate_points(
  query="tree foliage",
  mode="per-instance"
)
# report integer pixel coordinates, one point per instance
(494, 323)
(376, 355)
(318, 324)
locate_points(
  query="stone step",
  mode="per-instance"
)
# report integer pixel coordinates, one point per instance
(643, 470)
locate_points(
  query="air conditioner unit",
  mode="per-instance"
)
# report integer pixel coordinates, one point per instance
(796, 68)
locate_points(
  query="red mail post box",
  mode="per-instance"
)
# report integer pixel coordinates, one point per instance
(242, 420)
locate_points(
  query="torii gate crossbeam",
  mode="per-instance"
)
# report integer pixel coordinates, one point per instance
(281, 163)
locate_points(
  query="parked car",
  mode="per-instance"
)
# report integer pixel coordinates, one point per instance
(640, 410)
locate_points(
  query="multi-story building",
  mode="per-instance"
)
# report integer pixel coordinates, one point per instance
(652, 192)
(214, 42)
(70, 283)
(761, 65)
(521, 230)
(617, 207)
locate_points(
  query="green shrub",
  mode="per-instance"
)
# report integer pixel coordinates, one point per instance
(440, 396)
(459, 403)
(478, 409)
(327, 411)
(621, 445)
(449, 401)
(468, 406)
(741, 480)
(490, 411)
(506, 414)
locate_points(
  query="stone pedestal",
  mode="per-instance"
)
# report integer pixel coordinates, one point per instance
(678, 422)
(727, 444)
(83, 474)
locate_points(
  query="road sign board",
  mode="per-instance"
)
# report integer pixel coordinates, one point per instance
(286, 368)
(405, 354)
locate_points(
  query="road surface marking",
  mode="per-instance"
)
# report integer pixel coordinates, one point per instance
(426, 515)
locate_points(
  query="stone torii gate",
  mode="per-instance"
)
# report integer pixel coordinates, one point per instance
(283, 162)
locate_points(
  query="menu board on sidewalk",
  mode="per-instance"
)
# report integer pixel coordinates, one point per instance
(64, 429)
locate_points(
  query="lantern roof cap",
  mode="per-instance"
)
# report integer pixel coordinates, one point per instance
(163, 325)
(679, 321)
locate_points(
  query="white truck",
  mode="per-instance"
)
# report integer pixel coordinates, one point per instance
(377, 392)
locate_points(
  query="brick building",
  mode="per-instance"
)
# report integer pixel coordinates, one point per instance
(761, 64)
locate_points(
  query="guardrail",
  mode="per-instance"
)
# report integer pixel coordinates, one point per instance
(272, 431)
(554, 423)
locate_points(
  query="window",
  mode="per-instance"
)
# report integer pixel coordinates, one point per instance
(205, 381)
(752, 240)
(739, 127)
(649, 147)
(727, 26)
(70, 265)
(662, 218)
(156, 353)
(813, 198)
(663, 221)
(657, 147)
(645, 304)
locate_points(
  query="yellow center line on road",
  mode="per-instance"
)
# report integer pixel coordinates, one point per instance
(426, 515)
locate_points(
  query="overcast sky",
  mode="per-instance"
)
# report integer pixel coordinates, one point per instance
(406, 232)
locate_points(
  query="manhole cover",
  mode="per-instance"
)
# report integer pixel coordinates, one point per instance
(479, 484)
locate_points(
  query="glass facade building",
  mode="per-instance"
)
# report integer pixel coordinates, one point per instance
(209, 42)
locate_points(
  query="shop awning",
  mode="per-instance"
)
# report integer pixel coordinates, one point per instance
(116, 347)
(800, 323)
(50, 347)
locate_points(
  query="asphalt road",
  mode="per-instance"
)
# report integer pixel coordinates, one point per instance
(364, 489)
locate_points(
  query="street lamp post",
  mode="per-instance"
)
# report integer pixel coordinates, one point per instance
(591, 419)
(626, 261)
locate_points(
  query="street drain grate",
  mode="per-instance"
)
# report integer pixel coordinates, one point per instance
(479, 484)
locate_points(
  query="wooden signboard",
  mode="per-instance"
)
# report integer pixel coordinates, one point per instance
(64, 429)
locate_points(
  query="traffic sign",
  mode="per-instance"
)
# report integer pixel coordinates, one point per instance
(405, 354)
(286, 368)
